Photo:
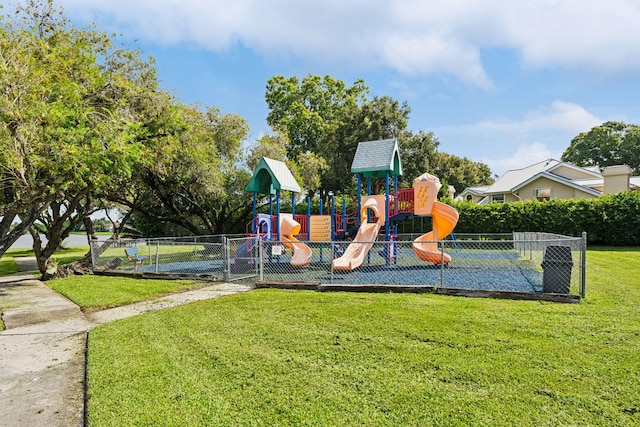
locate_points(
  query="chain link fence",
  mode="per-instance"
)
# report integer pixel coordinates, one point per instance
(197, 256)
(517, 262)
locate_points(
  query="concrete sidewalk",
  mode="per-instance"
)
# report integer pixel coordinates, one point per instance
(43, 348)
(42, 353)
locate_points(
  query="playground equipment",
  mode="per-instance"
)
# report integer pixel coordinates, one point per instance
(289, 228)
(444, 219)
(373, 160)
(381, 159)
(367, 233)
(269, 178)
(422, 203)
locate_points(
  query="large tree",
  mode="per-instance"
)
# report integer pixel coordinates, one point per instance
(379, 118)
(65, 105)
(306, 169)
(326, 118)
(419, 154)
(307, 110)
(192, 177)
(271, 146)
(609, 144)
(460, 172)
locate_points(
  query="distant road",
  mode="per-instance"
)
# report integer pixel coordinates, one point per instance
(26, 242)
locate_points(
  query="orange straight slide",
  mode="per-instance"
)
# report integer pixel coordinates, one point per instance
(357, 250)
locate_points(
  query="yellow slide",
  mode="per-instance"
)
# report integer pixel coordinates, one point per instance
(444, 219)
(353, 257)
(288, 229)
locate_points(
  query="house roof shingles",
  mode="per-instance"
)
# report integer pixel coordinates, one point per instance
(586, 179)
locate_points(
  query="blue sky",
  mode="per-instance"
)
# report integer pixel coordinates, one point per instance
(505, 82)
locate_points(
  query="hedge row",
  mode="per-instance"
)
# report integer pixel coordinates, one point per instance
(609, 220)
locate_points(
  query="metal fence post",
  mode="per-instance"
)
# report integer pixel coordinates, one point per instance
(583, 276)
(225, 259)
(157, 254)
(261, 260)
(331, 265)
(442, 264)
(93, 255)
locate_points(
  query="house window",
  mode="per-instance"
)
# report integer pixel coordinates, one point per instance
(498, 198)
(469, 197)
(543, 194)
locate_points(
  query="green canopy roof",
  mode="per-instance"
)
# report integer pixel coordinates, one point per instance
(376, 158)
(272, 175)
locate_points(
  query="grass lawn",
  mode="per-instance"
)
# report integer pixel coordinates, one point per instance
(68, 255)
(96, 292)
(7, 264)
(62, 256)
(163, 254)
(296, 358)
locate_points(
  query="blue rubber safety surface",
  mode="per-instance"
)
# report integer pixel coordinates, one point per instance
(474, 270)
(490, 270)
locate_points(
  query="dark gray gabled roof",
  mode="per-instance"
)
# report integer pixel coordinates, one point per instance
(376, 158)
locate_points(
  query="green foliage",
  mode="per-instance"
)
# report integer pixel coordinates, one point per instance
(610, 144)
(460, 172)
(191, 180)
(325, 118)
(419, 154)
(303, 358)
(379, 118)
(69, 126)
(307, 110)
(306, 169)
(310, 167)
(611, 219)
(271, 146)
(83, 123)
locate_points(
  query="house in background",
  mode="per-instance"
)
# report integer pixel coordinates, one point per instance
(553, 179)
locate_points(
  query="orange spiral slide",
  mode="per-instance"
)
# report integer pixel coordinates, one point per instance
(289, 228)
(443, 217)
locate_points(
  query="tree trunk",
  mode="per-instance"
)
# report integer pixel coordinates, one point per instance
(85, 264)
(77, 268)
(9, 236)
(41, 260)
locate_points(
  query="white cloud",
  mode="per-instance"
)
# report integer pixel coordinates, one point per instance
(525, 155)
(409, 36)
(560, 116)
(426, 54)
(564, 116)
(512, 144)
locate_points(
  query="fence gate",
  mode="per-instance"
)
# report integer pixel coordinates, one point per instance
(243, 258)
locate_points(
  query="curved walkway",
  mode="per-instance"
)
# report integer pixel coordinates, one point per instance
(43, 348)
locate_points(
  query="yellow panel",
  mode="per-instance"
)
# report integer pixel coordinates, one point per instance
(320, 228)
